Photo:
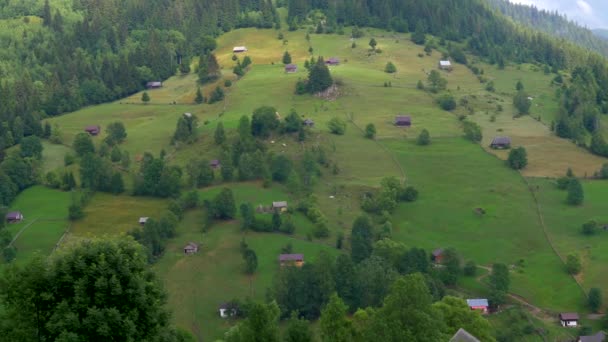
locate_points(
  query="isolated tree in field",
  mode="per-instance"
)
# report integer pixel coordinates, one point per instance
(337, 126)
(286, 58)
(472, 131)
(436, 83)
(361, 239)
(319, 77)
(447, 102)
(219, 136)
(37, 295)
(251, 261)
(298, 330)
(499, 277)
(31, 147)
(199, 96)
(145, 98)
(116, 133)
(217, 95)
(370, 131)
(594, 299)
(208, 69)
(522, 103)
(372, 44)
(518, 158)
(335, 327)
(390, 68)
(576, 196)
(573, 264)
(589, 228)
(519, 86)
(224, 206)
(424, 138)
(83, 144)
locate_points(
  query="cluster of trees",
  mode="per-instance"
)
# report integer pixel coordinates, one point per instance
(154, 235)
(8, 252)
(157, 178)
(277, 222)
(20, 170)
(392, 192)
(518, 158)
(50, 299)
(319, 77)
(186, 129)
(575, 193)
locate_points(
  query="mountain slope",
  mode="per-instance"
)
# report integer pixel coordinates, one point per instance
(602, 33)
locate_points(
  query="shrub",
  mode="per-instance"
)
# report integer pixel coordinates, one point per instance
(470, 269)
(573, 264)
(472, 131)
(227, 83)
(447, 102)
(424, 138)
(589, 228)
(390, 68)
(518, 158)
(370, 131)
(575, 192)
(336, 126)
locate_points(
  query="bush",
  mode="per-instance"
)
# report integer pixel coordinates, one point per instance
(575, 192)
(75, 212)
(410, 194)
(447, 102)
(336, 126)
(573, 264)
(472, 131)
(518, 158)
(227, 83)
(470, 269)
(390, 68)
(424, 138)
(370, 131)
(589, 228)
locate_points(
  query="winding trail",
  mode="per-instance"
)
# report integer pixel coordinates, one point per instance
(21, 231)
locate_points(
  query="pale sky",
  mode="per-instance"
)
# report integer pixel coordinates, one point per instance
(589, 13)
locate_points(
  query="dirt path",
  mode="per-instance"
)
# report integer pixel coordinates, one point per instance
(21, 231)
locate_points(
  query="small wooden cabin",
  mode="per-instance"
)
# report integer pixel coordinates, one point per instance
(191, 248)
(501, 143)
(403, 120)
(291, 68)
(143, 220)
(437, 255)
(445, 65)
(215, 163)
(332, 61)
(93, 129)
(279, 206)
(569, 319)
(238, 49)
(480, 304)
(154, 85)
(14, 217)
(291, 260)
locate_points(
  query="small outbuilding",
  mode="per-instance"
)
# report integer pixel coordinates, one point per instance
(332, 61)
(437, 255)
(463, 336)
(501, 143)
(143, 220)
(291, 260)
(403, 120)
(188, 115)
(480, 304)
(238, 49)
(191, 248)
(445, 65)
(569, 319)
(599, 337)
(154, 85)
(280, 206)
(14, 217)
(215, 163)
(308, 122)
(291, 68)
(227, 310)
(93, 129)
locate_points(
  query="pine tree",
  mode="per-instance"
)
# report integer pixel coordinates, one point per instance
(372, 44)
(145, 98)
(319, 77)
(220, 135)
(286, 58)
(199, 96)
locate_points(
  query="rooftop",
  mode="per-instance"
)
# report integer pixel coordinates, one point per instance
(599, 337)
(291, 257)
(445, 63)
(568, 316)
(280, 204)
(463, 336)
(477, 302)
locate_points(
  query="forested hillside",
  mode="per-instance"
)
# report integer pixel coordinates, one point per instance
(551, 23)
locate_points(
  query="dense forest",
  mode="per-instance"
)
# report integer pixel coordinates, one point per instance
(551, 23)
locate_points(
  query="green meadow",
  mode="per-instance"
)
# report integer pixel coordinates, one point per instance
(454, 177)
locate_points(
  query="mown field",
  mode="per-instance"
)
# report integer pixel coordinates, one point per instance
(454, 176)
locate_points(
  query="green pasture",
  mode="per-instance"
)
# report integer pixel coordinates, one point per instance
(454, 178)
(564, 226)
(198, 283)
(45, 214)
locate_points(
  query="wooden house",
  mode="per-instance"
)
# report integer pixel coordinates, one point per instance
(143, 220)
(93, 129)
(480, 304)
(501, 143)
(238, 49)
(14, 217)
(291, 260)
(291, 68)
(403, 120)
(463, 336)
(215, 163)
(191, 248)
(437, 255)
(599, 337)
(445, 65)
(279, 206)
(332, 61)
(227, 310)
(568, 319)
(308, 122)
(154, 85)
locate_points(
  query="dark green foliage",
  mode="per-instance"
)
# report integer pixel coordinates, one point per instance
(38, 295)
(115, 155)
(83, 144)
(470, 269)
(522, 103)
(499, 284)
(603, 173)
(435, 82)
(293, 122)
(217, 95)
(390, 68)
(573, 264)
(261, 325)
(370, 131)
(298, 330)
(447, 102)
(373, 43)
(589, 228)
(598, 145)
(319, 77)
(424, 138)
(31, 147)
(75, 212)
(200, 173)
(145, 97)
(337, 126)
(156, 178)
(518, 158)
(472, 131)
(116, 133)
(576, 196)
(224, 207)
(452, 270)
(251, 261)
(155, 234)
(199, 96)
(286, 58)
(208, 69)
(594, 299)
(361, 239)
(281, 167)
(418, 37)
(458, 55)
(490, 86)
(117, 185)
(519, 86)
(264, 121)
(335, 326)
